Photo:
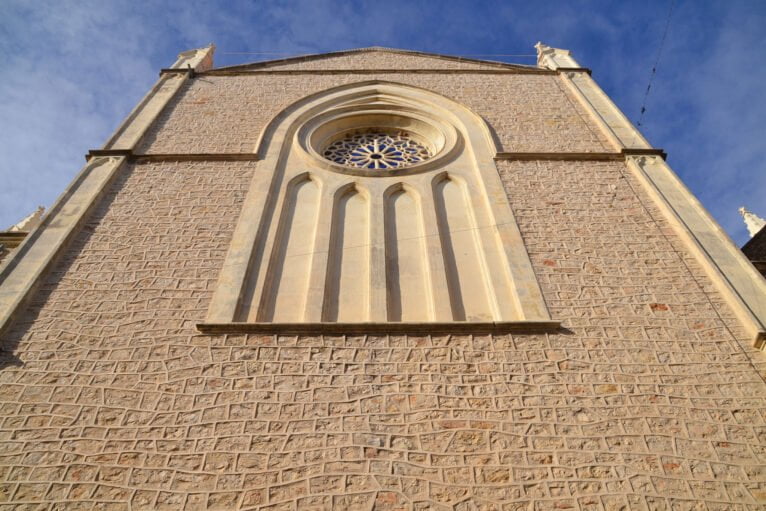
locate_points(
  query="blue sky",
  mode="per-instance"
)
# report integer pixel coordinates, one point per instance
(71, 70)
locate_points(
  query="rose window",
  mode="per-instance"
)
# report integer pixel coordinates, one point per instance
(377, 149)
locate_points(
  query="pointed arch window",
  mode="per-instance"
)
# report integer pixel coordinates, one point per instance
(377, 207)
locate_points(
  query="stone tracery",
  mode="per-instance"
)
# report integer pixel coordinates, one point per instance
(377, 148)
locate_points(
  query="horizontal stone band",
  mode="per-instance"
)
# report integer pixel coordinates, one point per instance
(374, 328)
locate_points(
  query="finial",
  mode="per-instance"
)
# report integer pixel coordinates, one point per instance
(753, 222)
(30, 222)
(554, 58)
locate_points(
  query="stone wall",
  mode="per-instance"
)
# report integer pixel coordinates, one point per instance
(651, 397)
(226, 114)
(376, 61)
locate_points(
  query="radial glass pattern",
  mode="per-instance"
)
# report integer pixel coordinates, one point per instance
(377, 149)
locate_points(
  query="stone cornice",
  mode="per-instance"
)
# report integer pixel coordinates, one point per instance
(516, 156)
(573, 70)
(587, 156)
(143, 158)
(172, 71)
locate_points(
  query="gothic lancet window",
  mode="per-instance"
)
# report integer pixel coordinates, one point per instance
(376, 205)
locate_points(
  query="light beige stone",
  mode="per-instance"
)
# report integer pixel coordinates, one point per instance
(359, 263)
(649, 397)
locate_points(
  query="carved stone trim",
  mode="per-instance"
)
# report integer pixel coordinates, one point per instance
(574, 70)
(522, 156)
(501, 66)
(600, 156)
(530, 156)
(140, 158)
(637, 151)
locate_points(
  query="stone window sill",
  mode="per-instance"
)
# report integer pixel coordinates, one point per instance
(394, 328)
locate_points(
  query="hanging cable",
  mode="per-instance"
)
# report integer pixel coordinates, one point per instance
(656, 63)
(452, 55)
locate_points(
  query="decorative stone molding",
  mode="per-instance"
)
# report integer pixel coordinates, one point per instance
(450, 61)
(366, 72)
(728, 268)
(319, 242)
(385, 328)
(439, 136)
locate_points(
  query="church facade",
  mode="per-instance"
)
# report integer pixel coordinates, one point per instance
(380, 279)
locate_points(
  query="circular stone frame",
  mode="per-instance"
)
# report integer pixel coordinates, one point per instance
(441, 138)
